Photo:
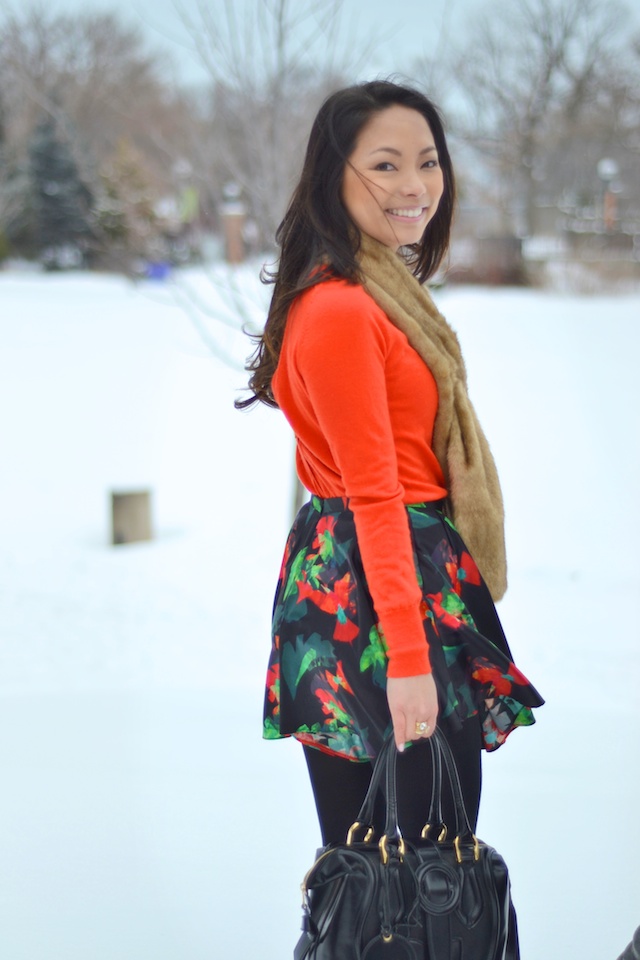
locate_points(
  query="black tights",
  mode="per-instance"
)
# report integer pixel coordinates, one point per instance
(339, 786)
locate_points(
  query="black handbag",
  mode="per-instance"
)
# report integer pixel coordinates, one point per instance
(445, 896)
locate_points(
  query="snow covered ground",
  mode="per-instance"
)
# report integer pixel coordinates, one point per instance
(141, 815)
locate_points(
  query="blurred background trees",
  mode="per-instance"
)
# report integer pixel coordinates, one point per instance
(546, 89)
(543, 97)
(92, 127)
(268, 75)
(60, 202)
(107, 159)
(147, 156)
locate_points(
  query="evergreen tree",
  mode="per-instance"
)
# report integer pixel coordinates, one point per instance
(4, 243)
(17, 217)
(62, 202)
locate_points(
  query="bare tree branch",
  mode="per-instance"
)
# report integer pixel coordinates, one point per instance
(269, 71)
(530, 76)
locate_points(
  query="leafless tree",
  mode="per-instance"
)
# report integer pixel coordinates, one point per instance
(270, 65)
(270, 68)
(530, 81)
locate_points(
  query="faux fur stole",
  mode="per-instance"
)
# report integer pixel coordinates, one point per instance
(459, 443)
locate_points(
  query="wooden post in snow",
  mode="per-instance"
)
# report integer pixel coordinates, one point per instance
(131, 517)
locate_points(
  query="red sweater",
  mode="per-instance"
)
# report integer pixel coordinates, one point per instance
(362, 405)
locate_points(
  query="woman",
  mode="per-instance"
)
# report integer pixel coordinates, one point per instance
(382, 619)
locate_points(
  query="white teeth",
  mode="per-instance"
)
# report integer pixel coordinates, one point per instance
(414, 212)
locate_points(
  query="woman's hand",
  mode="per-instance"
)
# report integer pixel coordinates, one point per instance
(412, 700)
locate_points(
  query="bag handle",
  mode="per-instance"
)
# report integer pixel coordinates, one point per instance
(463, 827)
(392, 833)
(384, 778)
(365, 814)
(434, 817)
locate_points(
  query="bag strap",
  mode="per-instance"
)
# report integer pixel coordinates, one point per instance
(463, 827)
(384, 778)
(365, 814)
(434, 816)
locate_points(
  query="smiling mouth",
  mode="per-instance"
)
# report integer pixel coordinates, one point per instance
(410, 213)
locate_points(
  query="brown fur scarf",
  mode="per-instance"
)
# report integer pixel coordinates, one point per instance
(458, 440)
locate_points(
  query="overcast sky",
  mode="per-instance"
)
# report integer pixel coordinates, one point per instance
(405, 29)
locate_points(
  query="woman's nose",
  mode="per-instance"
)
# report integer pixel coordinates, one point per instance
(413, 186)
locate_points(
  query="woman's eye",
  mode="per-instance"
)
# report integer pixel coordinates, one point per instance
(430, 164)
(384, 165)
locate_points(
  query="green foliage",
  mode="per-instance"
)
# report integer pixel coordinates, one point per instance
(61, 200)
(5, 248)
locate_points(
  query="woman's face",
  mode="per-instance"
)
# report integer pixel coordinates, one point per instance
(393, 181)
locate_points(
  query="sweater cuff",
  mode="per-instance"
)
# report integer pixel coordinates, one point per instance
(407, 647)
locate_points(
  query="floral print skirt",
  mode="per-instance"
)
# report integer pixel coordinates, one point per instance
(326, 677)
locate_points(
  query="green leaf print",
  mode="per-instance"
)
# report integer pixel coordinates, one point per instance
(340, 715)
(304, 656)
(270, 730)
(451, 653)
(452, 603)
(341, 551)
(327, 545)
(295, 573)
(313, 567)
(374, 657)
(524, 718)
(349, 745)
(307, 661)
(292, 610)
(421, 520)
(316, 729)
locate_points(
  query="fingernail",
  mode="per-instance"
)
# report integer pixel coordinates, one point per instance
(401, 748)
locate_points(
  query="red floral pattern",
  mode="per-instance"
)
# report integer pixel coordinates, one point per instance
(326, 680)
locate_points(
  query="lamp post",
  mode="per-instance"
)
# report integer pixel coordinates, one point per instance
(233, 211)
(608, 170)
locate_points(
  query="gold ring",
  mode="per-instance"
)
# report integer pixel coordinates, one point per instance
(421, 726)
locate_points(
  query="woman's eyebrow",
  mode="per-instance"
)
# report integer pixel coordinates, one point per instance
(398, 153)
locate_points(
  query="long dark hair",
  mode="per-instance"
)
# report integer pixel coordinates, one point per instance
(317, 229)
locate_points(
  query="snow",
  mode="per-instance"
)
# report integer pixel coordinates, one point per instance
(141, 814)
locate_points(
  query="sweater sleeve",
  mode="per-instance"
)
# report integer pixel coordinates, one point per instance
(340, 357)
